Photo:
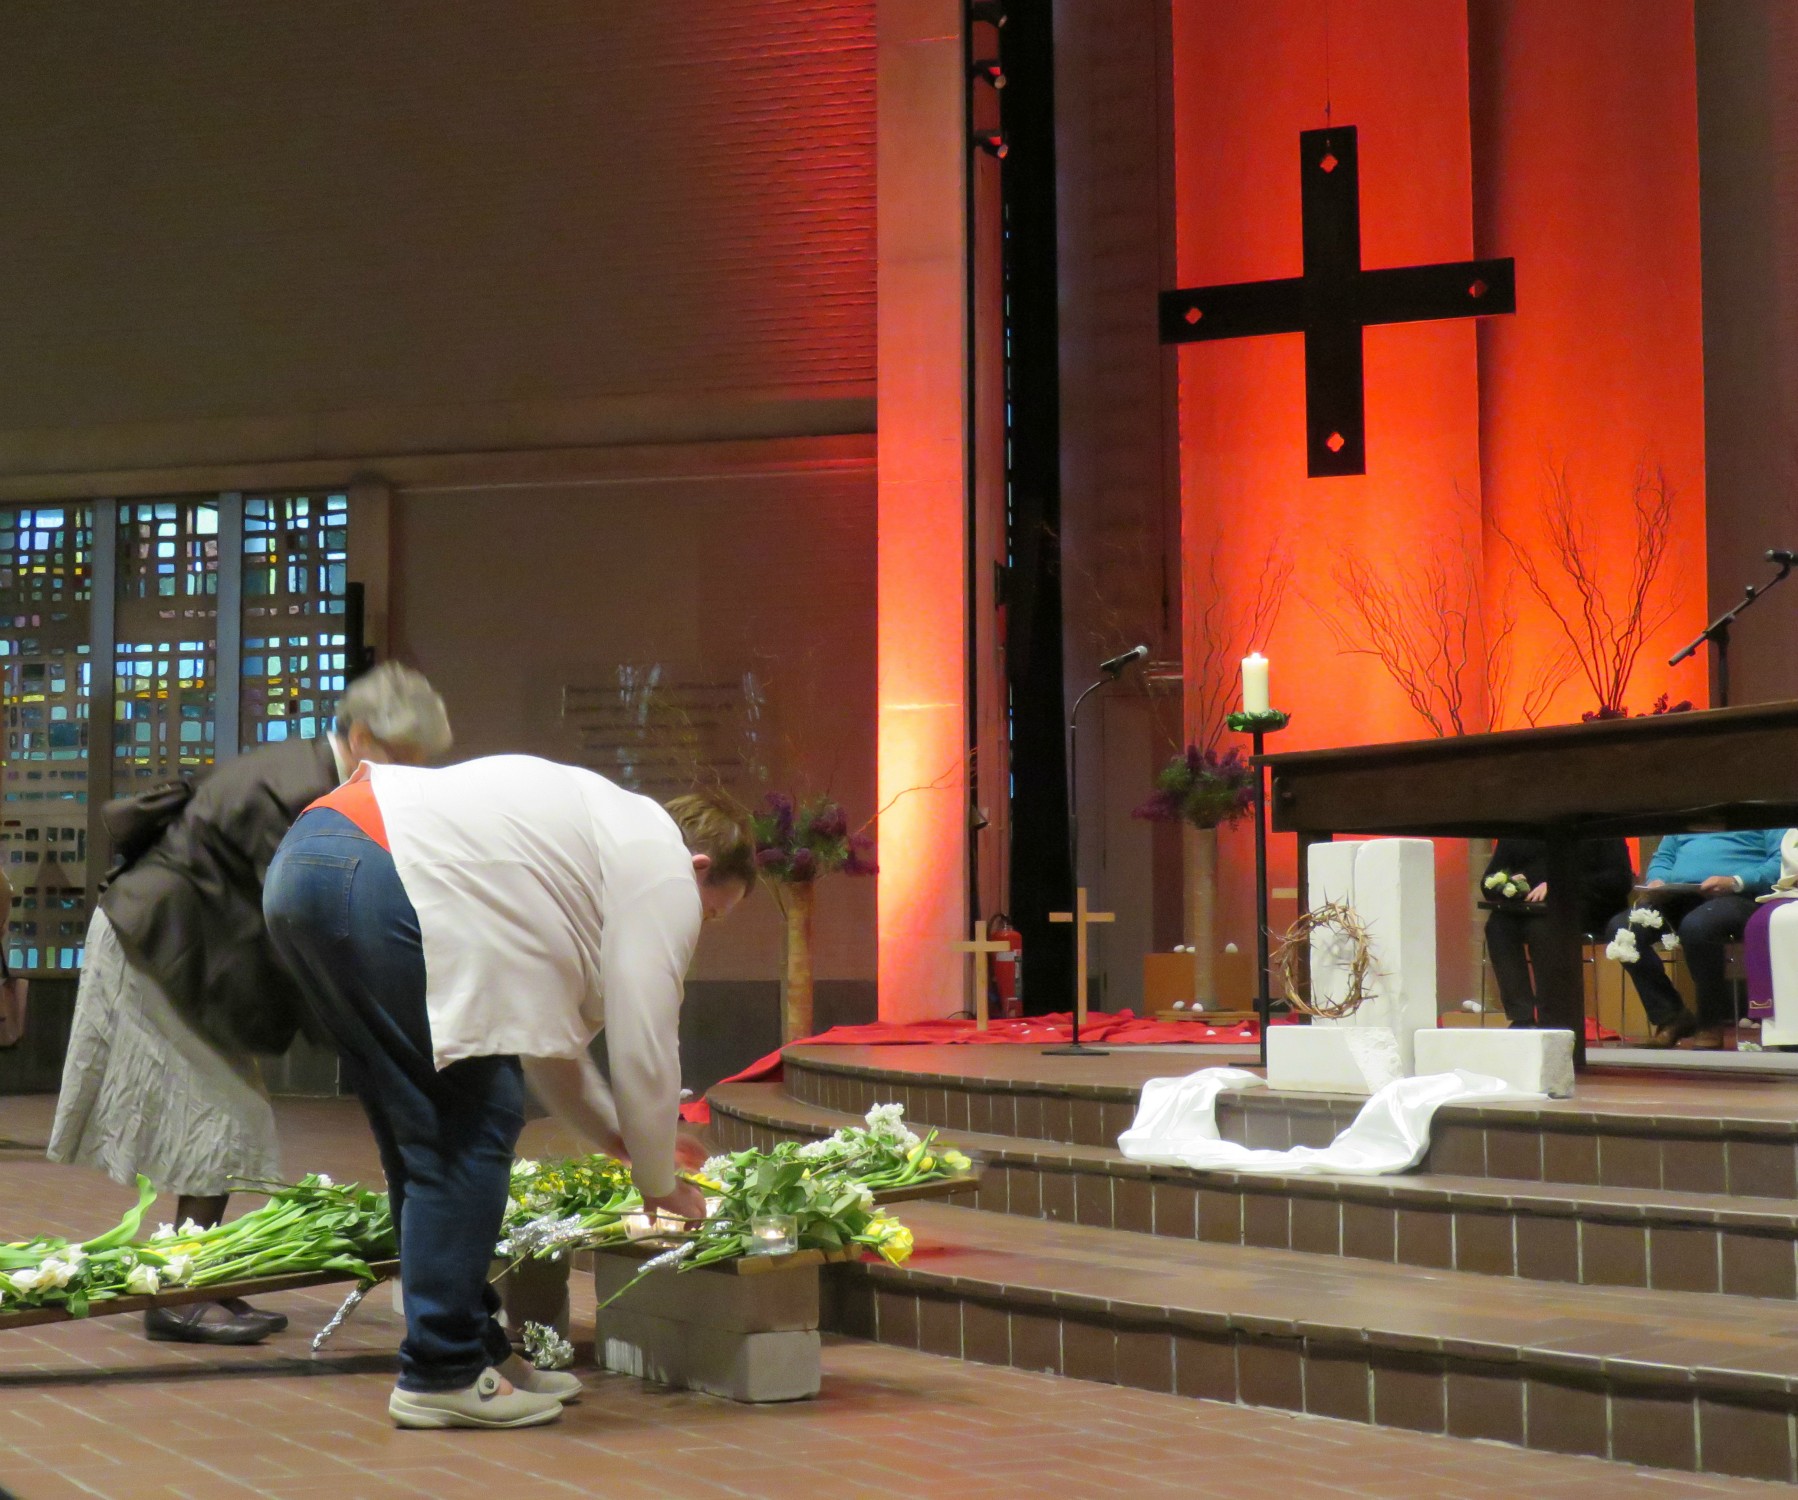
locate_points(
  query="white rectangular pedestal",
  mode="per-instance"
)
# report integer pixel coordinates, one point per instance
(1390, 885)
(1318, 1059)
(1532, 1062)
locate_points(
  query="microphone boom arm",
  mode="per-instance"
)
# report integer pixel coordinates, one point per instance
(1718, 629)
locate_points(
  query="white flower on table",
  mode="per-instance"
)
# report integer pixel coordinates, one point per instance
(324, 1180)
(178, 1269)
(164, 1232)
(191, 1227)
(27, 1281)
(143, 1281)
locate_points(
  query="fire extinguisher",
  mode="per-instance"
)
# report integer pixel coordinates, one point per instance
(1007, 998)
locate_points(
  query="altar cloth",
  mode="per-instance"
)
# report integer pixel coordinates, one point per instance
(1176, 1125)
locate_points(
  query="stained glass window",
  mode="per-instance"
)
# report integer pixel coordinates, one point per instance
(166, 654)
(46, 684)
(294, 645)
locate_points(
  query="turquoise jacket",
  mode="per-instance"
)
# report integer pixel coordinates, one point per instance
(1687, 858)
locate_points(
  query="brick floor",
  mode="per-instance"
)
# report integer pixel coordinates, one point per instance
(93, 1410)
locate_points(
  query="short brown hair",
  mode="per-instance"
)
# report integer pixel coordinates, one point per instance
(712, 826)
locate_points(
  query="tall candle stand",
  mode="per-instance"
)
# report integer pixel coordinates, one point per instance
(1258, 726)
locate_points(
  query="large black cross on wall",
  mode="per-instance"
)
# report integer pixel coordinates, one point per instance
(1334, 300)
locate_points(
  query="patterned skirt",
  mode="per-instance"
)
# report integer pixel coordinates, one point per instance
(143, 1092)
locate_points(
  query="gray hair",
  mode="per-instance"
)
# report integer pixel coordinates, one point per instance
(399, 708)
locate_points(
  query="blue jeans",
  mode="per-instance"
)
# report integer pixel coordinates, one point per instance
(341, 919)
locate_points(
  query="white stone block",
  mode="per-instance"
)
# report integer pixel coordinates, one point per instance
(755, 1367)
(1391, 885)
(1532, 1062)
(1332, 1059)
(1782, 944)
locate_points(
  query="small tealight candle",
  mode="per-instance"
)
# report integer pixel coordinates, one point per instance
(1254, 683)
(773, 1234)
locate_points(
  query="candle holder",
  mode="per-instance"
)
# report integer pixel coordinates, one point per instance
(773, 1234)
(1258, 726)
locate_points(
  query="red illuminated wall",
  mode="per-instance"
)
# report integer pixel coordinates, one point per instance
(1562, 135)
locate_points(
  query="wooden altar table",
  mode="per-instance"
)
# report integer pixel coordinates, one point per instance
(1671, 773)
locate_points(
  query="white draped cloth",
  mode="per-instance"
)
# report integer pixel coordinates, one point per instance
(1176, 1124)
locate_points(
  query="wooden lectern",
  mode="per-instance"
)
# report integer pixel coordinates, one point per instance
(1670, 773)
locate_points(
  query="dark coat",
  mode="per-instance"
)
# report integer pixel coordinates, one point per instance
(1606, 875)
(189, 912)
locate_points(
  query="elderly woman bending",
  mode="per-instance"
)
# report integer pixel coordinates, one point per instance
(458, 931)
(181, 988)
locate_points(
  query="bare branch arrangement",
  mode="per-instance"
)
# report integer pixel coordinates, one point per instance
(1337, 917)
(1228, 627)
(1446, 645)
(1606, 613)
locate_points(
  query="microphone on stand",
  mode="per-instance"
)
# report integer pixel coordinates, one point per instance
(1115, 667)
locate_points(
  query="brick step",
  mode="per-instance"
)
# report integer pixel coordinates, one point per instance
(1731, 1137)
(1688, 1382)
(1594, 1236)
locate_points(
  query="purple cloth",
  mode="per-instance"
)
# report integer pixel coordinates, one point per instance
(1757, 958)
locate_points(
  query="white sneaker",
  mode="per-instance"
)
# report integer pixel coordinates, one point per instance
(526, 1376)
(489, 1402)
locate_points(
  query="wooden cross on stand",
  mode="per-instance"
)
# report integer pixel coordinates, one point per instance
(1082, 918)
(982, 947)
(1334, 300)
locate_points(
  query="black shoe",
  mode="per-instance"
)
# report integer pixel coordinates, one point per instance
(277, 1322)
(1674, 1032)
(206, 1323)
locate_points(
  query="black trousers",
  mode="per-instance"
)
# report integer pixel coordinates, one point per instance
(1705, 931)
(1511, 937)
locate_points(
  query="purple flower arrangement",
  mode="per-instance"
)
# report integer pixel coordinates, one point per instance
(1202, 788)
(796, 842)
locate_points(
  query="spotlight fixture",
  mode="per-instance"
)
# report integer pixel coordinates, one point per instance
(992, 142)
(987, 70)
(990, 11)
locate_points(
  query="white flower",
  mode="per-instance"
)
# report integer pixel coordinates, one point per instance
(1496, 879)
(191, 1227)
(1670, 941)
(864, 1198)
(524, 1167)
(27, 1281)
(812, 1150)
(324, 1180)
(715, 1167)
(1512, 889)
(55, 1272)
(164, 1232)
(1646, 916)
(143, 1281)
(1623, 948)
(179, 1268)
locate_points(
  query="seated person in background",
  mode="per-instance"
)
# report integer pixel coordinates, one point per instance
(1757, 937)
(1512, 930)
(1729, 871)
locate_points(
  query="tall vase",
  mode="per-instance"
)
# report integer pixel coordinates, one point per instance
(796, 899)
(1200, 851)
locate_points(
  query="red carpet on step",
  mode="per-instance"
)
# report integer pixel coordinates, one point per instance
(1114, 1029)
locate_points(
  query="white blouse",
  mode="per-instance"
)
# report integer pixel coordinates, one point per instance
(552, 903)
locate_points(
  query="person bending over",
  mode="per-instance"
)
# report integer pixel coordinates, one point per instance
(1515, 925)
(459, 932)
(181, 991)
(1726, 871)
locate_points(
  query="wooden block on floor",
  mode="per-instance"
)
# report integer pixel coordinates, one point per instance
(784, 1301)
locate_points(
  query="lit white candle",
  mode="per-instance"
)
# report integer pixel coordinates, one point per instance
(1254, 684)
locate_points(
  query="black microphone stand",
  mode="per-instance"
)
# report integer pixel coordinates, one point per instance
(1110, 673)
(1718, 630)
